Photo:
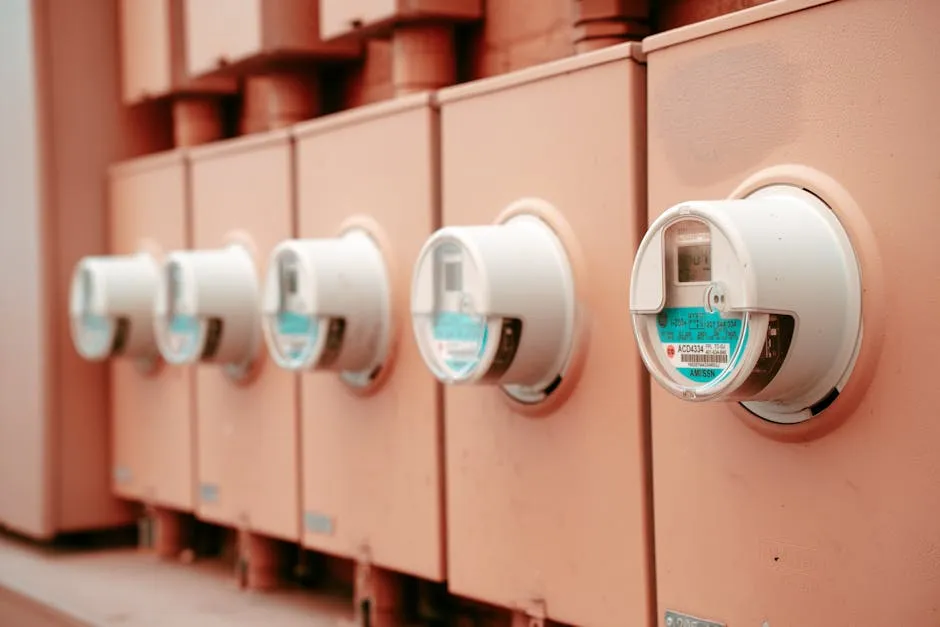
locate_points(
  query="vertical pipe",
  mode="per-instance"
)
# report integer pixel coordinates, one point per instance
(167, 533)
(278, 99)
(262, 560)
(601, 23)
(196, 120)
(371, 79)
(423, 57)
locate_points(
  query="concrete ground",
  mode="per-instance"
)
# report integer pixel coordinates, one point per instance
(40, 587)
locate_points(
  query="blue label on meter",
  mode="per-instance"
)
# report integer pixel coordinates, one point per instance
(96, 334)
(183, 335)
(460, 340)
(698, 344)
(296, 335)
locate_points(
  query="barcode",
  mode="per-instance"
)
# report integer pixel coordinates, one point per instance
(704, 360)
(462, 353)
(453, 276)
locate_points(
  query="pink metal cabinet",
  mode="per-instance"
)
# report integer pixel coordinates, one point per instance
(230, 32)
(551, 511)
(372, 463)
(61, 128)
(831, 522)
(152, 53)
(343, 17)
(247, 433)
(151, 414)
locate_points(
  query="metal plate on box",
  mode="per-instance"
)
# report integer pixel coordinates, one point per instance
(122, 474)
(675, 619)
(209, 493)
(315, 522)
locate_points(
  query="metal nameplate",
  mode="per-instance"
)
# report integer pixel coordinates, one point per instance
(314, 522)
(675, 619)
(209, 493)
(122, 474)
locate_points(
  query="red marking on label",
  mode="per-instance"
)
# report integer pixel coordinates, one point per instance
(670, 351)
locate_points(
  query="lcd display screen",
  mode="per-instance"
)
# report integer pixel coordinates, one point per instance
(694, 263)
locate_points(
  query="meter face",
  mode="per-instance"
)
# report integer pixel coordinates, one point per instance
(700, 346)
(182, 329)
(458, 333)
(295, 330)
(695, 338)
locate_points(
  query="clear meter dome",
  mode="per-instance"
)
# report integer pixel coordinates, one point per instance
(755, 300)
(206, 309)
(326, 306)
(111, 306)
(496, 304)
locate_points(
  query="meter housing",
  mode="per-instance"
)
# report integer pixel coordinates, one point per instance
(755, 300)
(326, 306)
(111, 307)
(496, 304)
(207, 309)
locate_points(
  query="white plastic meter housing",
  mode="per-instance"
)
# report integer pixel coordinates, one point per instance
(756, 300)
(207, 309)
(111, 307)
(496, 304)
(326, 306)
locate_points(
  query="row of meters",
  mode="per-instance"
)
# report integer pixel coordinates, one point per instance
(755, 300)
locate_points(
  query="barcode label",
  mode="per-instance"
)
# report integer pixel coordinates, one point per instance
(705, 360)
(457, 349)
(698, 354)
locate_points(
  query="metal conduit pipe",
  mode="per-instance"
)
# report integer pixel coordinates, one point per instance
(601, 23)
(277, 100)
(196, 120)
(423, 57)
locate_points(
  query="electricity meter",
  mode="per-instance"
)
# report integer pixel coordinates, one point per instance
(496, 304)
(207, 309)
(111, 307)
(755, 300)
(326, 306)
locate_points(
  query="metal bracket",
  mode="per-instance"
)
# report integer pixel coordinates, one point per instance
(535, 615)
(677, 619)
(242, 553)
(364, 589)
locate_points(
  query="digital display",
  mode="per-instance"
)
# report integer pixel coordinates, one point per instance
(453, 276)
(288, 278)
(694, 263)
(88, 289)
(174, 296)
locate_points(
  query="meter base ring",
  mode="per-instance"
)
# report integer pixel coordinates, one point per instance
(245, 372)
(532, 395)
(540, 400)
(860, 373)
(364, 382)
(784, 416)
